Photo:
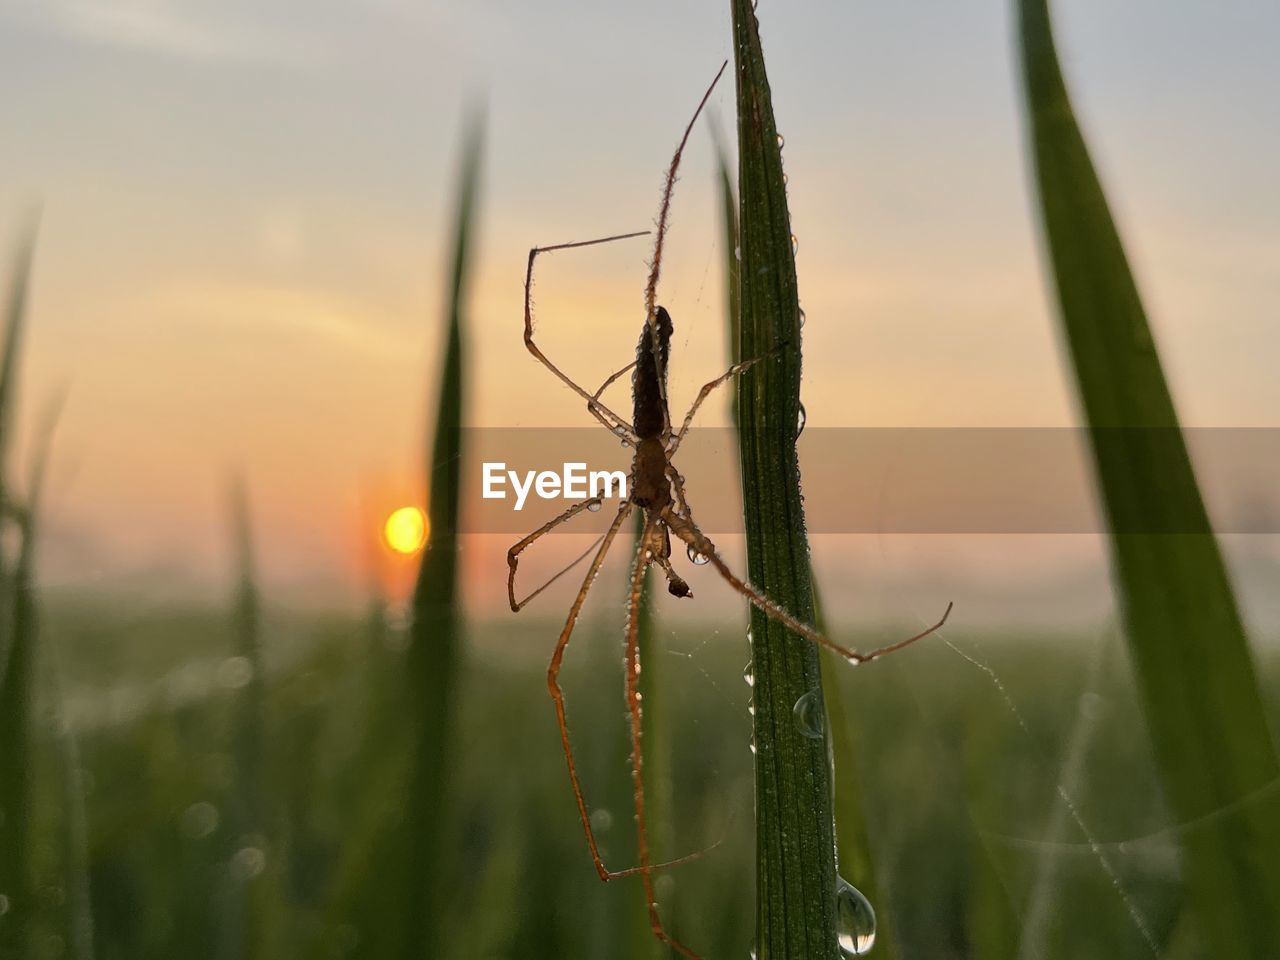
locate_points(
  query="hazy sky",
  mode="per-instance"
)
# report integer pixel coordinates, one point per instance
(244, 205)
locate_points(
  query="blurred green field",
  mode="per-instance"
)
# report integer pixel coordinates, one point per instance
(961, 798)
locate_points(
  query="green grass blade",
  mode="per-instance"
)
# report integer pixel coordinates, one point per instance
(17, 650)
(732, 268)
(436, 631)
(795, 841)
(14, 327)
(246, 923)
(76, 824)
(1194, 669)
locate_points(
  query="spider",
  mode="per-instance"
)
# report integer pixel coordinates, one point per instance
(657, 489)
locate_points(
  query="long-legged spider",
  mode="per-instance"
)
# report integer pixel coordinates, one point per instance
(656, 488)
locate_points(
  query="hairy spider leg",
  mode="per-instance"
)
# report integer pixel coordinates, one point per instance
(513, 555)
(557, 696)
(614, 423)
(664, 220)
(687, 530)
(650, 547)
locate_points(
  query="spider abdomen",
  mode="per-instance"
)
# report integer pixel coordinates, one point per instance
(650, 486)
(648, 383)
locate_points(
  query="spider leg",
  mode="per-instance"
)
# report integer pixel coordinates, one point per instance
(664, 219)
(687, 531)
(513, 555)
(598, 410)
(677, 483)
(557, 695)
(705, 392)
(650, 548)
(611, 378)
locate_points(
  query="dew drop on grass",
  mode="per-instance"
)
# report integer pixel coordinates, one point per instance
(855, 920)
(800, 422)
(235, 673)
(248, 862)
(785, 179)
(795, 244)
(594, 506)
(749, 673)
(809, 716)
(802, 317)
(781, 142)
(695, 557)
(737, 253)
(199, 820)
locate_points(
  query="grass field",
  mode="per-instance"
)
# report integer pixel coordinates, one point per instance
(960, 787)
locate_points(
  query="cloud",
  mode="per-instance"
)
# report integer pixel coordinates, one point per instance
(161, 27)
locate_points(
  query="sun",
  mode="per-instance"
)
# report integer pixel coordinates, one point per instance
(405, 530)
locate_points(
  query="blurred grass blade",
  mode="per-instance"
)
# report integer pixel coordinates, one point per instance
(246, 921)
(14, 327)
(76, 832)
(795, 842)
(1192, 660)
(17, 647)
(436, 628)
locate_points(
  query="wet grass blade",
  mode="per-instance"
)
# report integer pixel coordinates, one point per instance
(1192, 660)
(732, 280)
(17, 647)
(436, 630)
(795, 841)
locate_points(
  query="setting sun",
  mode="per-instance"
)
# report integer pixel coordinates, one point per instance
(406, 530)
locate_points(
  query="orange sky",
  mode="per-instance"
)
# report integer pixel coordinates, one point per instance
(240, 262)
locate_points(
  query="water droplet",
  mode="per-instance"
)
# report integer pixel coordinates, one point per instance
(795, 244)
(737, 253)
(781, 142)
(199, 820)
(785, 179)
(802, 317)
(247, 863)
(749, 673)
(751, 706)
(750, 637)
(235, 672)
(594, 506)
(601, 820)
(695, 557)
(809, 715)
(800, 421)
(855, 920)
(752, 745)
